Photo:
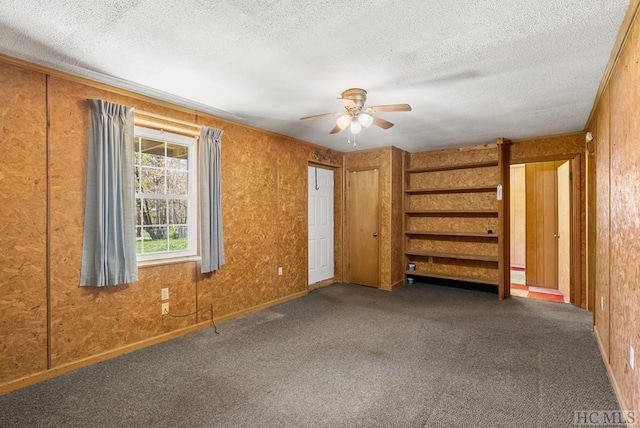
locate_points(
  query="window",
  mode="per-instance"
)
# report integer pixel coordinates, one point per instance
(166, 201)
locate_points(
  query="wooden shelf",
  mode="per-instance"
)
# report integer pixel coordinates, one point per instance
(475, 279)
(462, 189)
(491, 213)
(452, 167)
(452, 233)
(459, 256)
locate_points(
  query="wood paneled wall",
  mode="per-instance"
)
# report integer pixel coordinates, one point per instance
(616, 128)
(42, 193)
(389, 162)
(23, 223)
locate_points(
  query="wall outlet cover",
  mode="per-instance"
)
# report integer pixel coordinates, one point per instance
(165, 308)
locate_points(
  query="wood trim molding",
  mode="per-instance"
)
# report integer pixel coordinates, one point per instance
(548, 136)
(616, 388)
(504, 215)
(85, 362)
(322, 284)
(632, 13)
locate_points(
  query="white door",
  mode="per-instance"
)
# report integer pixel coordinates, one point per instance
(320, 224)
(564, 231)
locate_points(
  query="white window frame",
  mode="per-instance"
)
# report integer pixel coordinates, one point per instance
(192, 224)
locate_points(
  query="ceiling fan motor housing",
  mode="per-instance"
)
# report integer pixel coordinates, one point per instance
(357, 95)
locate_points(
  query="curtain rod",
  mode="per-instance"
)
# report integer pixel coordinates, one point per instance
(162, 127)
(170, 119)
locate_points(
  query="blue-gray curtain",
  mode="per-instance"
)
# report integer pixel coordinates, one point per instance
(212, 248)
(109, 243)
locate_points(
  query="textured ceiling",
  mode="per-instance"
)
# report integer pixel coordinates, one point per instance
(473, 70)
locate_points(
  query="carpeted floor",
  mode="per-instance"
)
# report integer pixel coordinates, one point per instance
(346, 356)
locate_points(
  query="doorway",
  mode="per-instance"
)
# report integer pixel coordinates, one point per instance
(540, 216)
(363, 223)
(320, 222)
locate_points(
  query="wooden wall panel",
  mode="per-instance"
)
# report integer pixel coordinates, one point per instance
(87, 321)
(464, 177)
(461, 201)
(456, 268)
(454, 244)
(23, 210)
(542, 148)
(602, 241)
(624, 265)
(480, 224)
(453, 156)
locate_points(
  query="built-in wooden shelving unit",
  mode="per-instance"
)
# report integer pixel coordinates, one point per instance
(452, 214)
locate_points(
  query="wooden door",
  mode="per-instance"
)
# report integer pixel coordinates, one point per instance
(363, 226)
(320, 231)
(541, 223)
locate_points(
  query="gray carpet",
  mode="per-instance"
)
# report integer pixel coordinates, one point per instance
(346, 356)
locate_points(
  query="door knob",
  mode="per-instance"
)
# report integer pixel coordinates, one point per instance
(375, 234)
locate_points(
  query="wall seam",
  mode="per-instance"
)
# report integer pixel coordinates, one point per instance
(48, 217)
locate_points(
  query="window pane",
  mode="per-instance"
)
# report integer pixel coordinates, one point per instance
(178, 238)
(152, 153)
(138, 216)
(154, 239)
(177, 157)
(137, 179)
(177, 182)
(154, 211)
(151, 180)
(178, 211)
(136, 150)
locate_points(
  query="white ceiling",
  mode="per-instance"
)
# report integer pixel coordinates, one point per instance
(473, 70)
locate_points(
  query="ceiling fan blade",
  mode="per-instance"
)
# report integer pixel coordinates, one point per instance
(384, 124)
(336, 129)
(347, 103)
(389, 107)
(321, 115)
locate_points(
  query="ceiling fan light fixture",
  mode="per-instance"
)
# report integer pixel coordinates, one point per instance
(343, 121)
(355, 127)
(365, 119)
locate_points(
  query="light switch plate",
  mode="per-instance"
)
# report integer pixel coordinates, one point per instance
(164, 293)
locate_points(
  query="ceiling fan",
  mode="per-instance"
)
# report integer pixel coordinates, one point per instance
(357, 116)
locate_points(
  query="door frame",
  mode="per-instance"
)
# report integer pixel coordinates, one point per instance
(338, 195)
(575, 242)
(347, 231)
(331, 279)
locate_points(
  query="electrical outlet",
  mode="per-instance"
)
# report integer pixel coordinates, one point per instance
(602, 303)
(164, 294)
(632, 357)
(165, 308)
(280, 270)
